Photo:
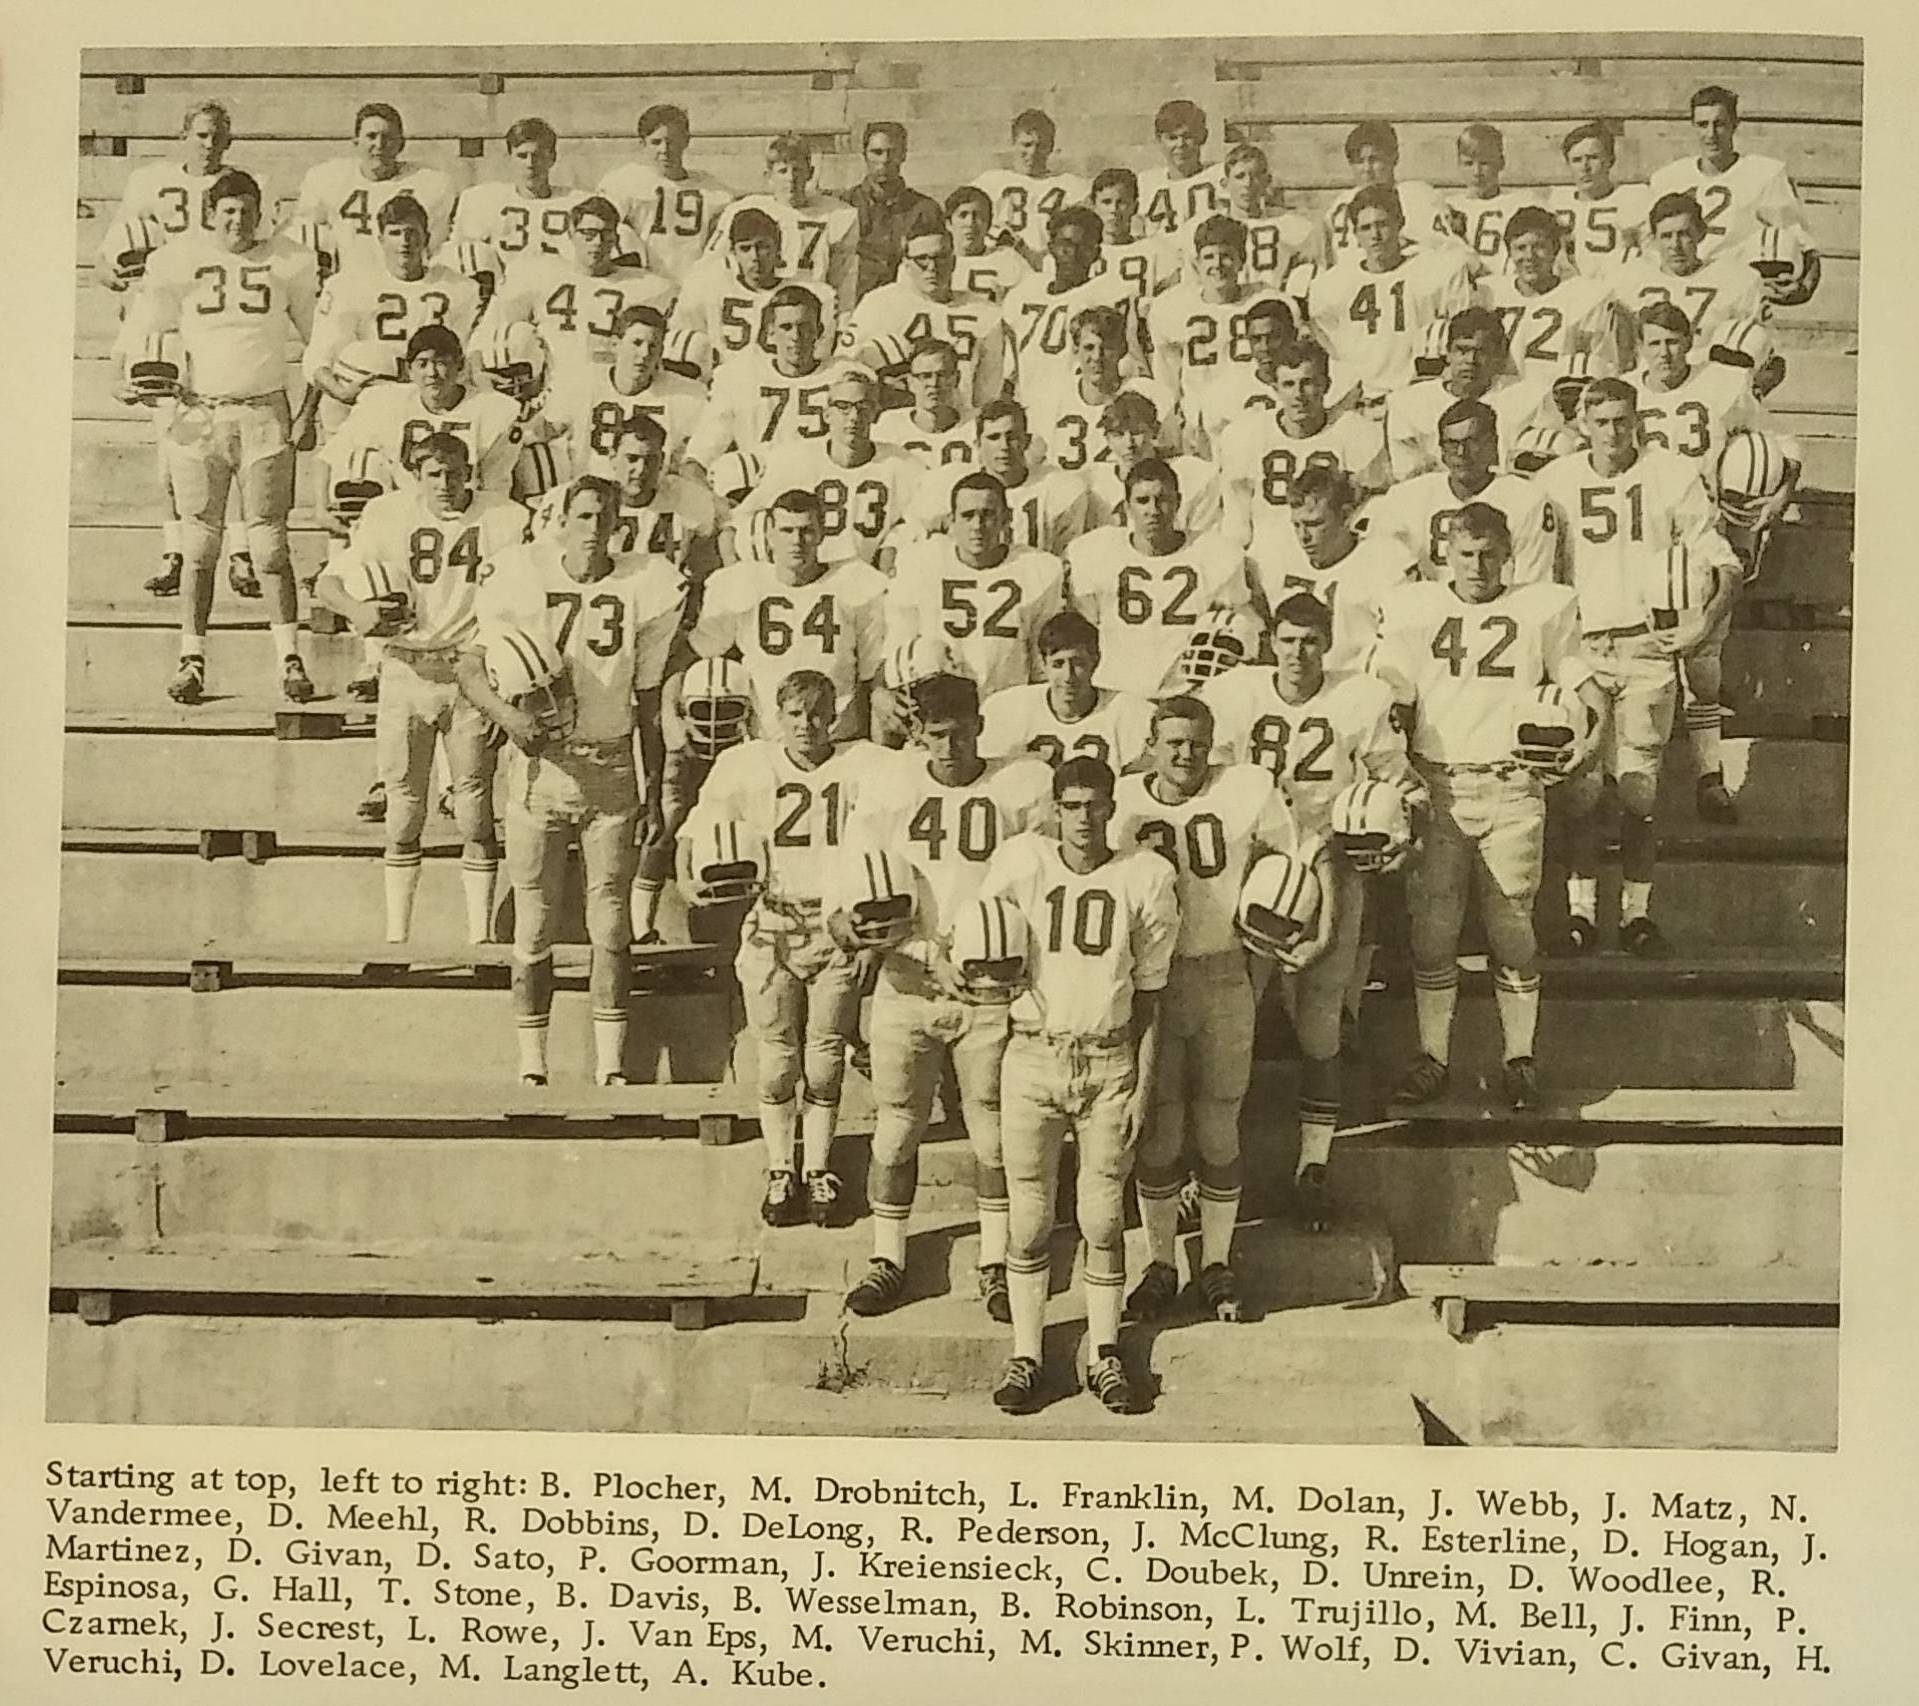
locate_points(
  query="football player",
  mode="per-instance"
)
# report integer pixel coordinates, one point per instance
(527, 214)
(669, 205)
(1147, 261)
(1131, 429)
(666, 515)
(1184, 188)
(1604, 221)
(1198, 326)
(1145, 583)
(1461, 658)
(1711, 294)
(1420, 510)
(1031, 192)
(1277, 239)
(1549, 315)
(887, 205)
(1316, 734)
(594, 411)
(935, 428)
(793, 795)
(891, 320)
(1270, 326)
(1475, 367)
(573, 301)
(344, 197)
(1739, 194)
(1482, 212)
(1642, 605)
(1067, 422)
(1210, 823)
(1263, 453)
(725, 310)
(792, 611)
(818, 232)
(1063, 715)
(946, 811)
(1372, 151)
(863, 489)
(229, 297)
(1372, 309)
(1051, 508)
(1040, 312)
(771, 395)
(980, 266)
(410, 576)
(608, 622)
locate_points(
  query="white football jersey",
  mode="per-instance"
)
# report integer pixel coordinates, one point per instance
(593, 412)
(1617, 528)
(1147, 607)
(1413, 411)
(1578, 315)
(1423, 206)
(1485, 217)
(1196, 342)
(993, 275)
(376, 307)
(1067, 424)
(233, 313)
(988, 619)
(347, 202)
(403, 544)
(1114, 729)
(1211, 840)
(727, 319)
(1420, 510)
(1602, 231)
(814, 239)
(1022, 203)
(1721, 291)
(1354, 589)
(681, 513)
(1200, 500)
(165, 192)
(517, 226)
(392, 421)
(1039, 327)
(673, 217)
(799, 812)
(754, 405)
(574, 311)
(1315, 749)
(862, 508)
(1463, 666)
(1146, 265)
(1376, 322)
(1095, 938)
(1276, 242)
(833, 624)
(887, 323)
(955, 447)
(1166, 203)
(1259, 460)
(1051, 508)
(1695, 418)
(1751, 192)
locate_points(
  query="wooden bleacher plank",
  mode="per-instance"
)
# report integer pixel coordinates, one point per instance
(1525, 47)
(1563, 1117)
(664, 60)
(263, 716)
(1620, 1284)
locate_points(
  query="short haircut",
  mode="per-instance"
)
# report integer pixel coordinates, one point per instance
(1325, 480)
(215, 110)
(1594, 130)
(947, 698)
(1303, 610)
(638, 314)
(1273, 308)
(796, 500)
(643, 427)
(1482, 521)
(752, 222)
(947, 354)
(1000, 409)
(1470, 410)
(805, 684)
(230, 184)
(599, 485)
(532, 130)
(1667, 315)
(1376, 195)
(594, 207)
(1128, 410)
(661, 115)
(1473, 322)
(849, 374)
(1103, 318)
(1067, 631)
(882, 127)
(1610, 390)
(1305, 352)
(401, 209)
(1115, 178)
(1033, 122)
(794, 296)
(1083, 770)
(379, 110)
(979, 480)
(1486, 134)
(926, 221)
(1084, 217)
(1714, 95)
(1179, 115)
(1676, 204)
(443, 446)
(965, 196)
(1371, 133)
(1534, 221)
(1182, 708)
(789, 148)
(1245, 151)
(1151, 468)
(1220, 230)
(434, 340)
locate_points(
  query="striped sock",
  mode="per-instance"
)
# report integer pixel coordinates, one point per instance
(532, 1032)
(889, 1231)
(1218, 1214)
(1703, 727)
(1027, 1283)
(402, 877)
(1318, 1121)
(609, 1044)
(479, 875)
(1435, 994)
(993, 1212)
(1516, 995)
(646, 906)
(1105, 1284)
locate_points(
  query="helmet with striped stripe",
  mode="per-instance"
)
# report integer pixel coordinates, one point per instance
(544, 466)
(131, 244)
(1750, 471)
(1372, 824)
(156, 369)
(1675, 586)
(362, 477)
(1546, 725)
(1223, 640)
(527, 671)
(1777, 253)
(689, 353)
(367, 361)
(390, 591)
(907, 668)
(1430, 360)
(989, 949)
(878, 891)
(716, 705)
(1279, 905)
(1536, 445)
(1742, 343)
(478, 261)
(314, 234)
(1570, 382)
(721, 861)
(512, 359)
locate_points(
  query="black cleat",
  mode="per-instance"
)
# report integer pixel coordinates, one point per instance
(1581, 935)
(1713, 801)
(1108, 1381)
(1018, 1388)
(365, 689)
(1218, 1292)
(372, 806)
(1424, 1080)
(1156, 1294)
(240, 575)
(295, 684)
(166, 584)
(1521, 1080)
(782, 1205)
(189, 683)
(1642, 937)
(823, 1198)
(1313, 1197)
(995, 1294)
(878, 1289)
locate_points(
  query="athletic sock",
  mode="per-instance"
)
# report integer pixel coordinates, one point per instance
(1317, 1122)
(1026, 1288)
(1105, 1295)
(1582, 897)
(1703, 736)
(817, 1120)
(992, 1231)
(889, 1231)
(532, 1034)
(402, 874)
(193, 646)
(609, 1045)
(1159, 1214)
(779, 1126)
(478, 877)
(1218, 1214)
(1435, 994)
(1634, 900)
(646, 906)
(286, 639)
(1517, 999)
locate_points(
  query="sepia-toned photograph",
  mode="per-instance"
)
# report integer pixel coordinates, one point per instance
(1135, 739)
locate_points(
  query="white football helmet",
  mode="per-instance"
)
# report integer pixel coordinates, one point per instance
(1537, 445)
(721, 861)
(366, 361)
(878, 893)
(989, 950)
(1751, 470)
(391, 594)
(512, 359)
(131, 243)
(1372, 825)
(1570, 382)
(1279, 905)
(1223, 640)
(1546, 730)
(1743, 343)
(527, 671)
(1675, 586)
(1430, 360)
(478, 261)
(310, 233)
(716, 705)
(156, 370)
(364, 476)
(1777, 253)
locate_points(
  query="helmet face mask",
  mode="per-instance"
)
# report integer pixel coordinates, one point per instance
(1279, 907)
(552, 706)
(993, 982)
(1546, 731)
(882, 923)
(1268, 932)
(1372, 825)
(1220, 643)
(716, 706)
(988, 952)
(722, 864)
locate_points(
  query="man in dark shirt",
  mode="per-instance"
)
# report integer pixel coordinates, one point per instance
(888, 208)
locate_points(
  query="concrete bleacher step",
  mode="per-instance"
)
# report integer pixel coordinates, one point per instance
(107, 567)
(1789, 674)
(121, 663)
(1709, 908)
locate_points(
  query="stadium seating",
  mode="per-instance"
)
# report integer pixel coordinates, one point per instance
(288, 1186)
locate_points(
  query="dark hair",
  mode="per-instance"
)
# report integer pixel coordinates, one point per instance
(1371, 133)
(532, 130)
(1273, 308)
(1033, 122)
(233, 183)
(1479, 131)
(1067, 631)
(794, 296)
(401, 209)
(1533, 220)
(637, 314)
(1675, 204)
(979, 480)
(1470, 322)
(1482, 521)
(445, 446)
(1302, 609)
(1304, 352)
(609, 493)
(1179, 115)
(1001, 408)
(1083, 770)
(594, 207)
(791, 147)
(1594, 130)
(1084, 217)
(965, 196)
(1220, 230)
(661, 114)
(643, 427)
(1325, 480)
(807, 684)
(933, 346)
(1104, 318)
(751, 222)
(1610, 390)
(1129, 409)
(1184, 708)
(882, 127)
(434, 340)
(943, 696)
(1668, 315)
(1115, 177)
(1714, 95)
(798, 501)
(378, 109)
(1470, 410)
(1151, 468)
(1379, 196)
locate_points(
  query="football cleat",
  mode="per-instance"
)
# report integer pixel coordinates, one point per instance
(372, 806)
(1278, 906)
(364, 689)
(613, 1081)
(1223, 640)
(189, 683)
(878, 894)
(1018, 1390)
(1218, 1292)
(296, 686)
(1424, 1081)
(1156, 1294)
(240, 575)
(1713, 801)
(1520, 1079)
(995, 1293)
(1372, 825)
(1581, 935)
(721, 861)
(782, 1205)
(166, 584)
(1546, 725)
(527, 671)
(1643, 938)
(878, 1289)
(716, 705)
(1108, 1381)
(1313, 1197)
(511, 359)
(989, 949)
(823, 1198)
